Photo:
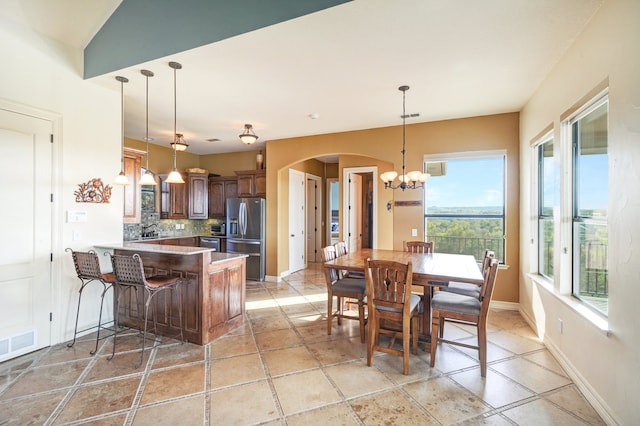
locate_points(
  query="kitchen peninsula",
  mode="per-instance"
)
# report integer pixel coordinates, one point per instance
(213, 296)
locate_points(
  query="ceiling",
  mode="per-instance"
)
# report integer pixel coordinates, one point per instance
(342, 65)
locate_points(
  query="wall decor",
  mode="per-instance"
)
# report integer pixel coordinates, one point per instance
(93, 191)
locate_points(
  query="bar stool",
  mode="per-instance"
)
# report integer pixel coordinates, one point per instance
(87, 267)
(129, 274)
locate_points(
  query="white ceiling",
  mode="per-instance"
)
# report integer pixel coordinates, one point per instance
(461, 58)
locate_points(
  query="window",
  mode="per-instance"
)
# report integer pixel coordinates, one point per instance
(465, 204)
(589, 137)
(548, 202)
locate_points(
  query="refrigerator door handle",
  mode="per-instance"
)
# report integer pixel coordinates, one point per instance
(243, 218)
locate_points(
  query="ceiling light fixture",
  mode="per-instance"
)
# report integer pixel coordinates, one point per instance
(174, 176)
(248, 136)
(179, 144)
(147, 178)
(411, 180)
(121, 179)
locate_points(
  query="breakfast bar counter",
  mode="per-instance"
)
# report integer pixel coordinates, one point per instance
(213, 294)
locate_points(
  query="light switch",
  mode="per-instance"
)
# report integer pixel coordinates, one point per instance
(414, 232)
(76, 216)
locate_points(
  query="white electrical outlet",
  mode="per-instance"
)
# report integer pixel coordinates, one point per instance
(560, 325)
(76, 235)
(177, 226)
(414, 232)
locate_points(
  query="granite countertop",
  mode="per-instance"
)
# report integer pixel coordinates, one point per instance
(167, 249)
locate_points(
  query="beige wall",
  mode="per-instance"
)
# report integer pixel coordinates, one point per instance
(369, 147)
(604, 365)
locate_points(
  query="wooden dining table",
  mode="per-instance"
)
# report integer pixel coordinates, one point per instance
(429, 271)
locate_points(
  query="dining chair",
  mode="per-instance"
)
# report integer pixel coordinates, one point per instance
(87, 267)
(342, 288)
(129, 275)
(469, 289)
(341, 250)
(392, 308)
(467, 310)
(425, 247)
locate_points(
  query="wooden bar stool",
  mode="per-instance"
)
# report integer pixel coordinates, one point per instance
(129, 274)
(87, 267)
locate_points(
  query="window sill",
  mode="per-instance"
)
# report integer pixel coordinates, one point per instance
(575, 305)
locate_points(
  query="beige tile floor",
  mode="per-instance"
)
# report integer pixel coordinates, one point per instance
(282, 368)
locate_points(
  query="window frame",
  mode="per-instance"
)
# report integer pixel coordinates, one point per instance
(573, 215)
(539, 206)
(473, 155)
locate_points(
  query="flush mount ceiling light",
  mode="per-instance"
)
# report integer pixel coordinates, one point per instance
(147, 177)
(121, 179)
(174, 176)
(178, 143)
(411, 180)
(248, 136)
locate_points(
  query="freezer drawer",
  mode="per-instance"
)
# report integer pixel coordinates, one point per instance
(256, 260)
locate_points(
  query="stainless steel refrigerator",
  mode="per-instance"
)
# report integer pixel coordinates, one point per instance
(246, 233)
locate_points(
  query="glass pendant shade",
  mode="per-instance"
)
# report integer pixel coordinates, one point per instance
(147, 179)
(175, 177)
(121, 179)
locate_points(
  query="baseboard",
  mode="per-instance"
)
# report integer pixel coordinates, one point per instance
(507, 306)
(590, 394)
(272, 279)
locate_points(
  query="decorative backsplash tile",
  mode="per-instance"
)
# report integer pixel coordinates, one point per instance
(152, 227)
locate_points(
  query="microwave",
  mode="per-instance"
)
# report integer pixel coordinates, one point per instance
(218, 229)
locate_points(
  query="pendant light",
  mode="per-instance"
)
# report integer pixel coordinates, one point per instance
(411, 180)
(174, 176)
(248, 136)
(121, 179)
(147, 177)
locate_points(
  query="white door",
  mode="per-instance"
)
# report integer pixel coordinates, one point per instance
(296, 220)
(314, 218)
(354, 232)
(25, 252)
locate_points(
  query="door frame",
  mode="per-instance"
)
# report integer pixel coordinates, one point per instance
(304, 219)
(56, 324)
(318, 216)
(345, 201)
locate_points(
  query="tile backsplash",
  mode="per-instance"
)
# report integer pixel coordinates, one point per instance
(152, 226)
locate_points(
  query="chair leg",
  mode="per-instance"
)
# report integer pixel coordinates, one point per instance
(435, 328)
(329, 313)
(100, 316)
(373, 331)
(146, 317)
(414, 334)
(75, 332)
(406, 335)
(361, 319)
(116, 311)
(340, 302)
(482, 349)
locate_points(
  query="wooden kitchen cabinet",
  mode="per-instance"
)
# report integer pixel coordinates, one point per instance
(132, 164)
(198, 195)
(189, 200)
(252, 183)
(221, 188)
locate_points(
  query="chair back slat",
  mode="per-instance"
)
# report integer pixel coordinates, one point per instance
(128, 270)
(389, 283)
(341, 248)
(489, 284)
(329, 253)
(87, 264)
(424, 247)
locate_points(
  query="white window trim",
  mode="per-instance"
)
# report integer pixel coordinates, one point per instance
(535, 205)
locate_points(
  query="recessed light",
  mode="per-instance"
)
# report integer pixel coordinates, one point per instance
(314, 116)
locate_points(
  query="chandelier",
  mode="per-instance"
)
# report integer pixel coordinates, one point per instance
(413, 179)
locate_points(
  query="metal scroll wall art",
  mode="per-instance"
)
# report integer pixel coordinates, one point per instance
(93, 191)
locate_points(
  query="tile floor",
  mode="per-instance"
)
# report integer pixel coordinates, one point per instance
(282, 368)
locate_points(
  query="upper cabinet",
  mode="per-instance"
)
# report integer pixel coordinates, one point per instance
(189, 200)
(221, 188)
(132, 162)
(252, 183)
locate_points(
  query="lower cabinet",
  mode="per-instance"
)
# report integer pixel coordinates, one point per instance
(213, 295)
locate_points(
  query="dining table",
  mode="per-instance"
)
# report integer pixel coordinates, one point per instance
(429, 271)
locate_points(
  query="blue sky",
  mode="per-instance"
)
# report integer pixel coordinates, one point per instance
(468, 183)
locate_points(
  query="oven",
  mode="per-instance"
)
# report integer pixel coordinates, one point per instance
(210, 242)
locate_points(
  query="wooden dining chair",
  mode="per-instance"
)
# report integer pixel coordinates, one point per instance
(392, 308)
(342, 288)
(425, 247)
(464, 309)
(469, 289)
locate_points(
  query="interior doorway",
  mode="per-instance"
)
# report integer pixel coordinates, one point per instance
(314, 218)
(360, 198)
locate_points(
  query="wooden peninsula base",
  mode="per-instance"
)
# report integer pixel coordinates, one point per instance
(213, 296)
